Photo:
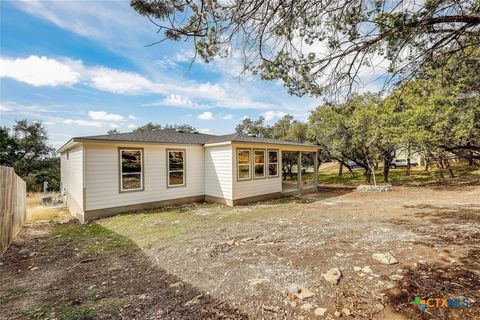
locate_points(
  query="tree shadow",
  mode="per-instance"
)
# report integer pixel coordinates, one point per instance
(90, 272)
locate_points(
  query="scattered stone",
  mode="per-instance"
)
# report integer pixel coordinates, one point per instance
(337, 314)
(104, 283)
(305, 293)
(396, 277)
(378, 307)
(367, 269)
(256, 281)
(293, 288)
(34, 268)
(390, 285)
(246, 239)
(333, 275)
(91, 287)
(142, 296)
(346, 312)
(371, 188)
(176, 284)
(422, 261)
(306, 306)
(356, 269)
(195, 300)
(270, 308)
(385, 258)
(230, 242)
(320, 311)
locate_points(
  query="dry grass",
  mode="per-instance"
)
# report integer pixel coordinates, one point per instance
(36, 212)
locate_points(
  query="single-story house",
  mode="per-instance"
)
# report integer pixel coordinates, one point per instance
(108, 174)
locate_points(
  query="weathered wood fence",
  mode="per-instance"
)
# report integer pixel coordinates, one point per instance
(13, 210)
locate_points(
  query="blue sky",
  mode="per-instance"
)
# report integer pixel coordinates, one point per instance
(82, 67)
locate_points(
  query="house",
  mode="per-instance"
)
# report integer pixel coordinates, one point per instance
(108, 174)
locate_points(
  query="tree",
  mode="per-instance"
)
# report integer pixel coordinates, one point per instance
(257, 127)
(155, 126)
(321, 46)
(26, 149)
(113, 131)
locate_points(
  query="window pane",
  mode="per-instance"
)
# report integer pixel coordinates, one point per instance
(273, 156)
(272, 169)
(259, 170)
(131, 161)
(131, 181)
(175, 160)
(243, 171)
(243, 157)
(176, 178)
(259, 157)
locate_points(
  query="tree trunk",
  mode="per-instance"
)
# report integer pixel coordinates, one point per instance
(340, 169)
(449, 168)
(427, 165)
(386, 170)
(408, 161)
(440, 168)
(368, 176)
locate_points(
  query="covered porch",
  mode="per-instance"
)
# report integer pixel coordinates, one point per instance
(299, 170)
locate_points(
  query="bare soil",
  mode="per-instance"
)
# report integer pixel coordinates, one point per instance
(208, 261)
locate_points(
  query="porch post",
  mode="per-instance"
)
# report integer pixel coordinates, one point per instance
(299, 170)
(315, 169)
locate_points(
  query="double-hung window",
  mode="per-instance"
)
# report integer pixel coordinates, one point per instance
(131, 169)
(259, 164)
(272, 163)
(176, 168)
(243, 164)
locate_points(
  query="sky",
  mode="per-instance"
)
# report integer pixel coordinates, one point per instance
(85, 67)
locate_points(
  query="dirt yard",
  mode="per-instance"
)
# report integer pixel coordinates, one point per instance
(208, 261)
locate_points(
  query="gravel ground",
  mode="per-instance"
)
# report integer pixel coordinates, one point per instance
(242, 262)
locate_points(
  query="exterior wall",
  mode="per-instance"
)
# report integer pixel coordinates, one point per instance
(71, 171)
(102, 175)
(218, 171)
(256, 187)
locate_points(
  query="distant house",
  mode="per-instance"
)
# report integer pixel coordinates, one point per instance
(108, 174)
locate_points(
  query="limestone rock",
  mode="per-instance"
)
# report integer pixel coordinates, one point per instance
(333, 275)
(385, 258)
(320, 311)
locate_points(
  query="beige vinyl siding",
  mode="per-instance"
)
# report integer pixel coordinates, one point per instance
(102, 175)
(71, 171)
(256, 187)
(218, 171)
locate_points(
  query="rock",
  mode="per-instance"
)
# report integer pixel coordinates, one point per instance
(293, 288)
(176, 284)
(34, 268)
(337, 314)
(256, 281)
(320, 311)
(270, 308)
(367, 269)
(385, 258)
(230, 242)
(333, 275)
(396, 277)
(142, 297)
(372, 188)
(306, 306)
(246, 239)
(378, 307)
(356, 269)
(346, 312)
(193, 301)
(305, 293)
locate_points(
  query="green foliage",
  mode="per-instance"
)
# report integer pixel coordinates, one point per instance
(155, 126)
(26, 149)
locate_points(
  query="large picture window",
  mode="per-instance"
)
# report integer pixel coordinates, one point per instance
(243, 164)
(176, 168)
(259, 164)
(131, 169)
(272, 163)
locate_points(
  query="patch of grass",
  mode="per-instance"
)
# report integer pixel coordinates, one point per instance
(11, 293)
(62, 312)
(93, 239)
(37, 212)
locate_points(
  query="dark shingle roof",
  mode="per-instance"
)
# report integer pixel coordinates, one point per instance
(183, 137)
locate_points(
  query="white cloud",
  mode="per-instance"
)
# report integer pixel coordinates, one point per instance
(207, 115)
(4, 107)
(206, 130)
(132, 117)
(104, 116)
(175, 100)
(131, 126)
(85, 123)
(270, 114)
(227, 117)
(113, 125)
(39, 71)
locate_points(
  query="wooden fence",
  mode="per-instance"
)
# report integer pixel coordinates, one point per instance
(13, 211)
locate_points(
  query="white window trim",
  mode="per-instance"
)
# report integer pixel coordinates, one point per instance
(276, 163)
(184, 170)
(257, 164)
(249, 165)
(122, 173)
